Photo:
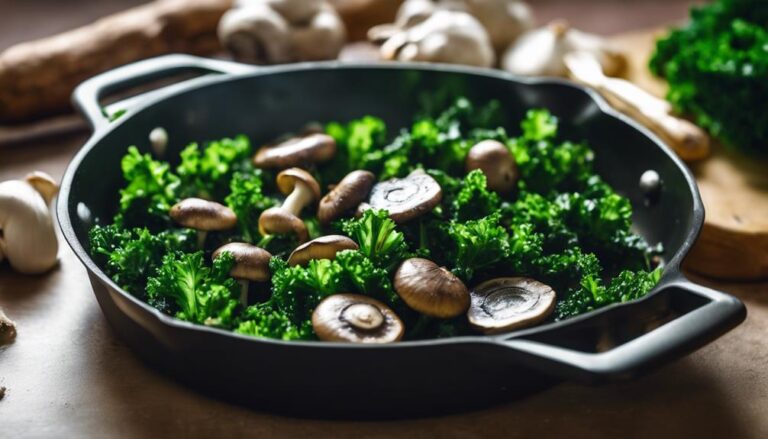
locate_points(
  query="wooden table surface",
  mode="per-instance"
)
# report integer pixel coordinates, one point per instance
(67, 375)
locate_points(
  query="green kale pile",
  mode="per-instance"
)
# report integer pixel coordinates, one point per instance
(717, 69)
(563, 226)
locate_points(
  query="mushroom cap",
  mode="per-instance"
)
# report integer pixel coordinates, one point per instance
(324, 247)
(200, 214)
(251, 262)
(352, 190)
(278, 221)
(507, 303)
(296, 151)
(405, 198)
(287, 179)
(496, 162)
(355, 318)
(430, 289)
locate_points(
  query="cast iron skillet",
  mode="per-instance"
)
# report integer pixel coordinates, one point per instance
(411, 378)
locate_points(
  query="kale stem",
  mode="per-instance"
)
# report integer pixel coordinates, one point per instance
(264, 241)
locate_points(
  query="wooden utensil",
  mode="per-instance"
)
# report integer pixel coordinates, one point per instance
(689, 141)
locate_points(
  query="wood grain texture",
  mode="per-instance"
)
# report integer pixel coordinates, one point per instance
(734, 187)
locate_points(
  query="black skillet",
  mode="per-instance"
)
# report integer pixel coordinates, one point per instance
(410, 378)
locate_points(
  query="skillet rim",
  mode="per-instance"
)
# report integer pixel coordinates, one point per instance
(671, 272)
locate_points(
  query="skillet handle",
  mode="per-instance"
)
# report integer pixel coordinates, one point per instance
(86, 96)
(588, 351)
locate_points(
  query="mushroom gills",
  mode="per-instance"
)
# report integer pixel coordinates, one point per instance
(503, 304)
(405, 198)
(357, 319)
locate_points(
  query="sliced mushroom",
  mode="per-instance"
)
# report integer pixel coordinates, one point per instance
(324, 247)
(405, 198)
(496, 162)
(280, 31)
(446, 36)
(27, 235)
(296, 151)
(302, 189)
(204, 216)
(507, 303)
(357, 319)
(431, 290)
(541, 52)
(352, 190)
(251, 264)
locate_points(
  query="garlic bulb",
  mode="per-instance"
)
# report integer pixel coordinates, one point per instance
(540, 52)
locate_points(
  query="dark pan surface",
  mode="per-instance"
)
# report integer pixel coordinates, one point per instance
(410, 378)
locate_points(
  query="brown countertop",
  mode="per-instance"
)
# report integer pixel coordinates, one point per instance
(67, 375)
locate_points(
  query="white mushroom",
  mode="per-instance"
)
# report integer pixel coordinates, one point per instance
(158, 140)
(27, 237)
(280, 31)
(540, 52)
(445, 36)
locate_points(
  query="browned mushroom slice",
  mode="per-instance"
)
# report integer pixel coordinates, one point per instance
(251, 264)
(507, 303)
(357, 319)
(496, 162)
(324, 247)
(405, 198)
(302, 189)
(346, 196)
(203, 216)
(296, 151)
(431, 290)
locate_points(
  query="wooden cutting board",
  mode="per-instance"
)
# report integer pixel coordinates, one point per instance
(734, 187)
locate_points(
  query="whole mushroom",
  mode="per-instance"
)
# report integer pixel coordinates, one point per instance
(504, 20)
(431, 290)
(496, 162)
(405, 198)
(324, 247)
(280, 31)
(204, 216)
(357, 319)
(251, 264)
(301, 189)
(352, 190)
(296, 151)
(541, 52)
(445, 36)
(27, 236)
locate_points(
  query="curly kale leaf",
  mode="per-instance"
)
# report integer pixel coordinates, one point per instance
(130, 256)
(546, 165)
(207, 172)
(717, 70)
(593, 293)
(474, 200)
(478, 245)
(202, 294)
(150, 192)
(378, 238)
(264, 320)
(359, 145)
(247, 199)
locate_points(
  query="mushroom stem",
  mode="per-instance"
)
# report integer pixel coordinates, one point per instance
(297, 199)
(201, 235)
(243, 291)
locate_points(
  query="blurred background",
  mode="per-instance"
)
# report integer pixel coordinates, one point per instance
(23, 20)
